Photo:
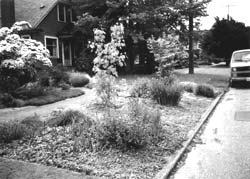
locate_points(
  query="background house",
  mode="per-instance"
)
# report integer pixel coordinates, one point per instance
(51, 23)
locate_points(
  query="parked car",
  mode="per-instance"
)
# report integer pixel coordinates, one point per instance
(240, 66)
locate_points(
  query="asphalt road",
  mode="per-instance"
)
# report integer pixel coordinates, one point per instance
(224, 152)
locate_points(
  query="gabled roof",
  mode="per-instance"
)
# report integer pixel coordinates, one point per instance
(34, 11)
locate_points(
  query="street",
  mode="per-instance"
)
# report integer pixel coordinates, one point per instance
(224, 152)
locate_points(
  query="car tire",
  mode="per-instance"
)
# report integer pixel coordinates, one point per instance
(231, 83)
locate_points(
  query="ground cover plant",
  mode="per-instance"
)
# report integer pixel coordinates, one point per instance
(89, 144)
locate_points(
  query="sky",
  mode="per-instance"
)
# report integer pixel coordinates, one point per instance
(239, 10)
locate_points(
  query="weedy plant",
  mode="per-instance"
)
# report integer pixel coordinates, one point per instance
(134, 130)
(141, 88)
(166, 94)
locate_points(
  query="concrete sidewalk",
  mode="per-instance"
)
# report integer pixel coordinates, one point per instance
(12, 169)
(225, 149)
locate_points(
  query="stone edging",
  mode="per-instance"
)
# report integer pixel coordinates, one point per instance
(165, 172)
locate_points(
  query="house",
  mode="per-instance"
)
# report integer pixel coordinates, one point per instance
(51, 23)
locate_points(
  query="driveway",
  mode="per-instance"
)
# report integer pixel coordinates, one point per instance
(224, 151)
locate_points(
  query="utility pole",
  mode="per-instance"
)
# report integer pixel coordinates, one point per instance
(190, 36)
(228, 10)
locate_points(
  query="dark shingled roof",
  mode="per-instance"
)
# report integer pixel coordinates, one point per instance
(34, 11)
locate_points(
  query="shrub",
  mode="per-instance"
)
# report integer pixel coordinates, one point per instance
(65, 86)
(188, 86)
(78, 79)
(44, 80)
(141, 88)
(166, 94)
(205, 90)
(10, 131)
(59, 75)
(20, 58)
(69, 117)
(30, 90)
(85, 62)
(133, 131)
(7, 100)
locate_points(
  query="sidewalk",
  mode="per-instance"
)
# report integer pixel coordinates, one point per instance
(224, 152)
(11, 169)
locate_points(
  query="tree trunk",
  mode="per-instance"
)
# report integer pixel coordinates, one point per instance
(190, 51)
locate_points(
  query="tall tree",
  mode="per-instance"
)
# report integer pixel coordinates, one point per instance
(190, 10)
(142, 18)
(225, 37)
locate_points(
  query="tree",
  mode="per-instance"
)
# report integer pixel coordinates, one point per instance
(225, 37)
(190, 10)
(141, 18)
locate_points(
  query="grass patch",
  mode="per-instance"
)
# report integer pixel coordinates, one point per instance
(218, 81)
(53, 96)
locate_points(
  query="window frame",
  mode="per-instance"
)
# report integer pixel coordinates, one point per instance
(26, 36)
(64, 13)
(57, 44)
(71, 14)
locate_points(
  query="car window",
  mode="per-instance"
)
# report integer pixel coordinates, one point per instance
(241, 56)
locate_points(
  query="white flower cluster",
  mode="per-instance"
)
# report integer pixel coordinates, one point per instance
(16, 52)
(109, 55)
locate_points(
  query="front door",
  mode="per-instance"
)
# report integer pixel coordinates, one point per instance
(66, 53)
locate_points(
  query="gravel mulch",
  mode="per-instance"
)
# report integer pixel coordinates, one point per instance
(54, 146)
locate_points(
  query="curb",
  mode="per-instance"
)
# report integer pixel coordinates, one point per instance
(166, 171)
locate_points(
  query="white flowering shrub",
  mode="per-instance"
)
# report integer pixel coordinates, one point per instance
(109, 55)
(166, 49)
(19, 58)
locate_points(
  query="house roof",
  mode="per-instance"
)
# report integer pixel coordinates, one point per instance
(34, 11)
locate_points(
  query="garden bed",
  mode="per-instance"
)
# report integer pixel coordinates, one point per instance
(55, 146)
(50, 96)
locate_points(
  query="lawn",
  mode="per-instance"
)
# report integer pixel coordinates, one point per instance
(217, 76)
(58, 145)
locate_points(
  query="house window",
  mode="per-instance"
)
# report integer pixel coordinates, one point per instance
(61, 13)
(51, 44)
(26, 36)
(69, 15)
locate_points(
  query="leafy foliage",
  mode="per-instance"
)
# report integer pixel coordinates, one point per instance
(166, 49)
(109, 55)
(19, 58)
(205, 90)
(226, 37)
(141, 88)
